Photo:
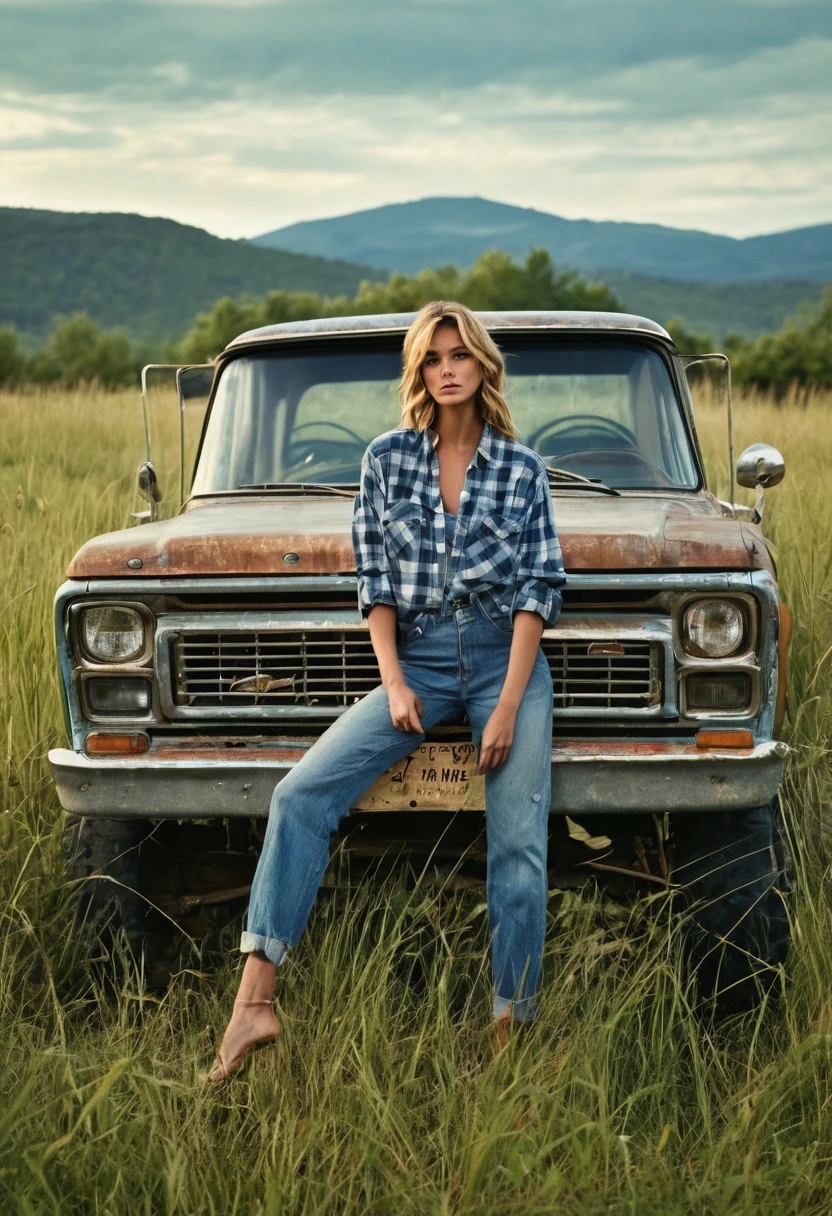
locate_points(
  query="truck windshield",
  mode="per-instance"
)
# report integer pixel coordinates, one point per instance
(305, 414)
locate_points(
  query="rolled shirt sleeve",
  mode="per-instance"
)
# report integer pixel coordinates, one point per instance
(540, 574)
(375, 585)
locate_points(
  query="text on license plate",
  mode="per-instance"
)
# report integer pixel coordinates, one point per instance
(433, 777)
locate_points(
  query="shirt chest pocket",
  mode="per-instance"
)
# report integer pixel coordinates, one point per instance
(403, 526)
(493, 549)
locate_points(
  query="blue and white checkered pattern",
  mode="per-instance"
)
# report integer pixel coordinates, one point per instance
(505, 543)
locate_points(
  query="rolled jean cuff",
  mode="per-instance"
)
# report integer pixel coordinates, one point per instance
(521, 1011)
(273, 948)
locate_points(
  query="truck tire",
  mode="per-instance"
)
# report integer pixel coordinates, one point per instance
(105, 855)
(734, 868)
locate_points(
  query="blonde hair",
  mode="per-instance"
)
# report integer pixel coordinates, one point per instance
(418, 407)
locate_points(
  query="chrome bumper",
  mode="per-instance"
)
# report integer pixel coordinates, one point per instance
(586, 778)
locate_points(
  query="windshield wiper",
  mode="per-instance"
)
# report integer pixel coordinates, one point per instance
(562, 477)
(302, 487)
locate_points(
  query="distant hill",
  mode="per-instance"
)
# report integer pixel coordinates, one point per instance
(150, 276)
(750, 308)
(433, 231)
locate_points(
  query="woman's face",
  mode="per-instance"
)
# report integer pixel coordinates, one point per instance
(450, 372)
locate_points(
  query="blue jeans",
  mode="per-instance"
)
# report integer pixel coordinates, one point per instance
(454, 662)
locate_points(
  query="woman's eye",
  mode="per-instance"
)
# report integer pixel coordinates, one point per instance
(462, 354)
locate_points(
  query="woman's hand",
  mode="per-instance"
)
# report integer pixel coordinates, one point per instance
(405, 708)
(497, 737)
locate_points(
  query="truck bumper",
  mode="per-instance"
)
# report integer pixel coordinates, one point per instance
(587, 778)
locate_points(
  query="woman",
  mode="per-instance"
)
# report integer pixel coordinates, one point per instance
(459, 568)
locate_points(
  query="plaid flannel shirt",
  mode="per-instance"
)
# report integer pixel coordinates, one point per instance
(505, 546)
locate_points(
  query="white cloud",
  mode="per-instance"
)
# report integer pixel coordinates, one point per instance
(21, 119)
(728, 143)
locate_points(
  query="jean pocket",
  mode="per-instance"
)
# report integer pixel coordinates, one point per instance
(495, 613)
(413, 632)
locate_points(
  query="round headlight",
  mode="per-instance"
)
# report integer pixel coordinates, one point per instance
(113, 634)
(714, 628)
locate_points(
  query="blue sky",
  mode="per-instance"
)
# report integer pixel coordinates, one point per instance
(243, 116)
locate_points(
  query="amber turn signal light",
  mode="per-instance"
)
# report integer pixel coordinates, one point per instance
(724, 739)
(116, 745)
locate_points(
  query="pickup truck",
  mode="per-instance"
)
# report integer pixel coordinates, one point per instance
(201, 654)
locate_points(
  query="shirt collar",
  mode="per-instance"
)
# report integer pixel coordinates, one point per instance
(487, 445)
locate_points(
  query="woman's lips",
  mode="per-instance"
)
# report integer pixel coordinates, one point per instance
(451, 387)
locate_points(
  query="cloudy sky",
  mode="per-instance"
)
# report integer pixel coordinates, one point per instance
(244, 115)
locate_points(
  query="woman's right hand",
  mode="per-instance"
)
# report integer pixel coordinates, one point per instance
(405, 708)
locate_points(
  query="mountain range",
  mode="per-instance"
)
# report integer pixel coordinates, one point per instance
(437, 231)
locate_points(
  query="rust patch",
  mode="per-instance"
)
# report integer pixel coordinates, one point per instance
(228, 536)
(187, 753)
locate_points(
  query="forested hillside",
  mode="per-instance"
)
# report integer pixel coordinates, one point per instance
(750, 309)
(148, 276)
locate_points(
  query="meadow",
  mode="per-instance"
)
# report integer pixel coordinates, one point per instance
(383, 1094)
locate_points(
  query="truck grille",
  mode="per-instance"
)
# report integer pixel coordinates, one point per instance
(308, 667)
(603, 675)
(333, 668)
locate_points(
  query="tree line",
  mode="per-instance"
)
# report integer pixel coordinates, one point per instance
(78, 351)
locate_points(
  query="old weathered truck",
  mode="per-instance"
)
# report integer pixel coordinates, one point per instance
(203, 653)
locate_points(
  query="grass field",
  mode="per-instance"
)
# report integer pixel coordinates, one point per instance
(382, 1095)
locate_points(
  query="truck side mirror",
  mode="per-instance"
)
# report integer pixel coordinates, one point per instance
(760, 465)
(147, 484)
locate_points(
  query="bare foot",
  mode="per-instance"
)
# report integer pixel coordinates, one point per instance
(253, 1024)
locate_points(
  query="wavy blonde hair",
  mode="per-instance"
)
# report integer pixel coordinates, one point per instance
(418, 407)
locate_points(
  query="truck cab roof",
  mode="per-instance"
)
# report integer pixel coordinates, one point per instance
(573, 322)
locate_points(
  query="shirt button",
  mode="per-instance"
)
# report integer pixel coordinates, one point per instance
(503, 607)
(535, 797)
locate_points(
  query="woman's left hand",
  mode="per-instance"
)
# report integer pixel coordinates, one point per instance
(497, 738)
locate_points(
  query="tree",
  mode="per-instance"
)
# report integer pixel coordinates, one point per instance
(494, 282)
(78, 351)
(800, 353)
(687, 342)
(212, 331)
(11, 356)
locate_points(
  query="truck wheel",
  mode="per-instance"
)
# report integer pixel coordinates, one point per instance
(735, 870)
(106, 853)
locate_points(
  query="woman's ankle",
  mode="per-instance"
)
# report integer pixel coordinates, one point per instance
(257, 980)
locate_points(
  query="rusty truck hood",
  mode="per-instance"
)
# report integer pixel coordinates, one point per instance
(251, 536)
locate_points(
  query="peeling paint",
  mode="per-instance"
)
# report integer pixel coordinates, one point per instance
(249, 536)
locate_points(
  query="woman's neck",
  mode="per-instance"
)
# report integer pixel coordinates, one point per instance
(459, 426)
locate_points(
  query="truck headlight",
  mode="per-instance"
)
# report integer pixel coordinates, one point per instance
(712, 690)
(713, 629)
(112, 634)
(109, 695)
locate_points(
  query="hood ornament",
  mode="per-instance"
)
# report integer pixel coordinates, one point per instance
(263, 683)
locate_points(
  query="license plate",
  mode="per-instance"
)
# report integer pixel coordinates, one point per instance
(434, 777)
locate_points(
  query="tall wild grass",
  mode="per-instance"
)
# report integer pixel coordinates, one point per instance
(383, 1094)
